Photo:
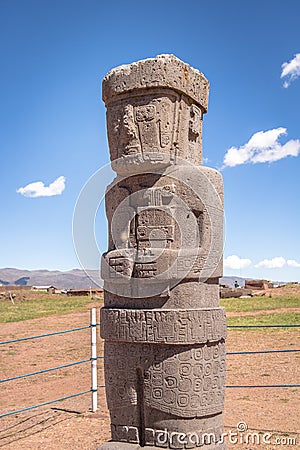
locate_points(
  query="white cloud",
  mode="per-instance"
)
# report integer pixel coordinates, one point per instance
(38, 189)
(291, 70)
(234, 262)
(274, 263)
(292, 263)
(262, 147)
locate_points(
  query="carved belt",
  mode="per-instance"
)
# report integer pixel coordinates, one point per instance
(163, 326)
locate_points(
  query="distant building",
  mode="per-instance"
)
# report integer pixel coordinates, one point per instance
(89, 292)
(259, 285)
(48, 289)
(235, 292)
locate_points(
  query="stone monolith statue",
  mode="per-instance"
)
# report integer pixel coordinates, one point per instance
(163, 326)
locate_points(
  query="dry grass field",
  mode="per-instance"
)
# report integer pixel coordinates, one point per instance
(71, 424)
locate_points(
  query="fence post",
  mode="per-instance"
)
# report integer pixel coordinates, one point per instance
(94, 388)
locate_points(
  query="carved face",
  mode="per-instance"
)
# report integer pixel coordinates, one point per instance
(122, 131)
(140, 125)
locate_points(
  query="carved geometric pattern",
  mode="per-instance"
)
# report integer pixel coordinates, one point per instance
(187, 381)
(163, 326)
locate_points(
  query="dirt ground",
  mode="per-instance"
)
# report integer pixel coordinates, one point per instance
(71, 424)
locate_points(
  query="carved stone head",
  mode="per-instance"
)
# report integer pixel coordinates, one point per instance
(154, 114)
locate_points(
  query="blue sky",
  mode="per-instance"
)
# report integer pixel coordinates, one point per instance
(54, 54)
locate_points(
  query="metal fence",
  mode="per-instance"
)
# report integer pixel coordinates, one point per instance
(94, 357)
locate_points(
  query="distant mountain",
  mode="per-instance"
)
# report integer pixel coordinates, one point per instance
(22, 281)
(72, 279)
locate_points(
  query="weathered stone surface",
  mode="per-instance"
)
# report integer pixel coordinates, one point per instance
(154, 113)
(163, 326)
(184, 381)
(164, 71)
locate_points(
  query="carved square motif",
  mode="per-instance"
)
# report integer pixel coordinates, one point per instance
(110, 379)
(170, 368)
(215, 383)
(170, 397)
(157, 393)
(157, 379)
(198, 332)
(222, 365)
(165, 138)
(185, 385)
(198, 354)
(166, 329)
(197, 385)
(121, 363)
(208, 369)
(185, 370)
(207, 384)
(216, 352)
(204, 399)
(149, 436)
(122, 431)
(147, 376)
(198, 370)
(121, 375)
(171, 382)
(183, 399)
(157, 366)
(195, 401)
(184, 356)
(133, 435)
(145, 113)
(207, 353)
(121, 392)
(216, 367)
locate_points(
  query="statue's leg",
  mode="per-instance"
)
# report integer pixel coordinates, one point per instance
(184, 396)
(121, 391)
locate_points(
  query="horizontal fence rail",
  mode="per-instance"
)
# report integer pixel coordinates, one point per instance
(94, 358)
(64, 366)
(259, 352)
(288, 325)
(11, 341)
(39, 336)
(10, 413)
(254, 386)
(92, 326)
